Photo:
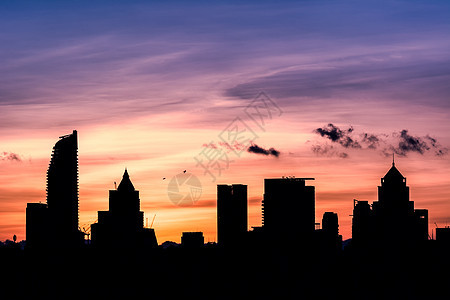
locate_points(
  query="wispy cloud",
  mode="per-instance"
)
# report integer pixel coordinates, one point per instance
(9, 156)
(327, 150)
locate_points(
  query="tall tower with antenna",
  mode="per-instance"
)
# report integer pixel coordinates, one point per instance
(123, 224)
(392, 219)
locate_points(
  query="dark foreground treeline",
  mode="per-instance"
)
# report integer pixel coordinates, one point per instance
(211, 272)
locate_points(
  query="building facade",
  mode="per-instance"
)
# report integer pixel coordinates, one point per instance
(192, 240)
(123, 225)
(288, 210)
(392, 220)
(37, 225)
(231, 213)
(59, 218)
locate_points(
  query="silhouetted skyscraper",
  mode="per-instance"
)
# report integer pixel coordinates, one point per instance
(123, 224)
(328, 238)
(61, 212)
(392, 218)
(231, 213)
(37, 225)
(288, 209)
(420, 222)
(330, 223)
(62, 190)
(362, 222)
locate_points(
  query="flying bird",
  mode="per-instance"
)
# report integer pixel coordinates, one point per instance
(184, 171)
(164, 178)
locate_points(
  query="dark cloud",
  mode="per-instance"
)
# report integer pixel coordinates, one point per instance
(409, 143)
(259, 150)
(10, 156)
(400, 143)
(335, 134)
(331, 132)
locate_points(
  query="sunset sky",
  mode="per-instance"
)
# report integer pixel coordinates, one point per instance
(151, 86)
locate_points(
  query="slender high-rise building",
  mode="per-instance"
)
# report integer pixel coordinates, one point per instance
(62, 191)
(57, 222)
(231, 213)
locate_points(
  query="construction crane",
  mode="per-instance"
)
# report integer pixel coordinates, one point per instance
(153, 221)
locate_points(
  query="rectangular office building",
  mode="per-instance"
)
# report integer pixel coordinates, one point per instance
(231, 213)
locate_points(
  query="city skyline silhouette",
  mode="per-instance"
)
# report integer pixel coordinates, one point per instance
(287, 212)
(157, 203)
(79, 231)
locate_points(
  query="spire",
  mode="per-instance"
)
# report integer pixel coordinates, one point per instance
(393, 174)
(125, 184)
(393, 159)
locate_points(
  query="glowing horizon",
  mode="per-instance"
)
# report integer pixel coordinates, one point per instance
(171, 220)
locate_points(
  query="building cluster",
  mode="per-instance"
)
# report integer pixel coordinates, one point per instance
(124, 222)
(288, 214)
(392, 220)
(55, 224)
(288, 217)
